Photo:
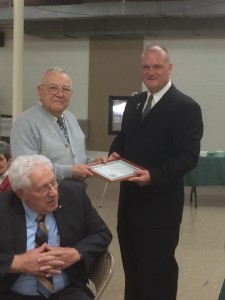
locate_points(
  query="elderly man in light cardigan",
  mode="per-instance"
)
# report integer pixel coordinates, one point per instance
(48, 128)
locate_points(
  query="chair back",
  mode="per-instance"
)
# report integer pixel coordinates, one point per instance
(101, 272)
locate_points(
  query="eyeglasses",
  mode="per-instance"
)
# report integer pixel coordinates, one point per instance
(54, 89)
(47, 188)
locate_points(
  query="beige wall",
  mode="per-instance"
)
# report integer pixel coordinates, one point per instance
(113, 70)
(39, 55)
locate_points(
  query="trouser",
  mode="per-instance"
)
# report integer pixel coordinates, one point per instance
(151, 271)
(68, 293)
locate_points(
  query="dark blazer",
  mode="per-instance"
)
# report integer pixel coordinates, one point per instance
(167, 143)
(79, 226)
(5, 185)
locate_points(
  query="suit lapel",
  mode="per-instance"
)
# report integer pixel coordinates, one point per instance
(136, 110)
(161, 105)
(63, 224)
(19, 225)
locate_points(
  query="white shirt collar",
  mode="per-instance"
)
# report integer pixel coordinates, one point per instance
(54, 118)
(157, 96)
(31, 214)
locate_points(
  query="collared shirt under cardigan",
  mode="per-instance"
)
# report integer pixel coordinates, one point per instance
(35, 132)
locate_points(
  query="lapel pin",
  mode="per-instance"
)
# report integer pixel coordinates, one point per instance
(138, 105)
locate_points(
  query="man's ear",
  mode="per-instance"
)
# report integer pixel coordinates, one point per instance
(39, 91)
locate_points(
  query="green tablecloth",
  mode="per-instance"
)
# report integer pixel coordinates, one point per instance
(209, 171)
(222, 292)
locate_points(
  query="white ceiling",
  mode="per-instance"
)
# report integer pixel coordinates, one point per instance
(77, 18)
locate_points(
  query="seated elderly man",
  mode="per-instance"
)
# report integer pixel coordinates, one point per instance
(50, 234)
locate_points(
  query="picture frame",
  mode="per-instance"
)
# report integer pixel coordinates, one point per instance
(116, 108)
(116, 170)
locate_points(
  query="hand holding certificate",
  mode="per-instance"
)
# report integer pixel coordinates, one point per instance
(116, 170)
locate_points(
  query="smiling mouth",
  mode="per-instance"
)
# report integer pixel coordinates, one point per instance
(152, 78)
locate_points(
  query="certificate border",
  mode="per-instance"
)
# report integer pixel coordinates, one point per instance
(94, 169)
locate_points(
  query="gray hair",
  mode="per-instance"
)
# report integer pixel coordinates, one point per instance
(5, 150)
(156, 47)
(55, 69)
(21, 168)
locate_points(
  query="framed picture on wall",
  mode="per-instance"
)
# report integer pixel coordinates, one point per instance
(116, 108)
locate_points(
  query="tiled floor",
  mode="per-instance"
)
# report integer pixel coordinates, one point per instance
(200, 253)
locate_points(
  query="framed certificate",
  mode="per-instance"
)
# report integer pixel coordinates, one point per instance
(116, 170)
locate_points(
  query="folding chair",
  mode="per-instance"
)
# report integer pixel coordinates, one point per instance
(101, 273)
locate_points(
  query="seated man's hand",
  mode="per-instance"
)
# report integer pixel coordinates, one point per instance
(36, 262)
(69, 256)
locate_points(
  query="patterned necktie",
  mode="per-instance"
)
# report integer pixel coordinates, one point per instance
(44, 284)
(62, 126)
(148, 107)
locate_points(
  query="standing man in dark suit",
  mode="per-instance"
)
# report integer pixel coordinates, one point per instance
(166, 142)
(75, 235)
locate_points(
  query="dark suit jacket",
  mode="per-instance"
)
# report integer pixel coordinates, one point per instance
(167, 143)
(79, 226)
(5, 185)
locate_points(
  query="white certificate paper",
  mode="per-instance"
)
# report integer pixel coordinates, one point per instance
(115, 170)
